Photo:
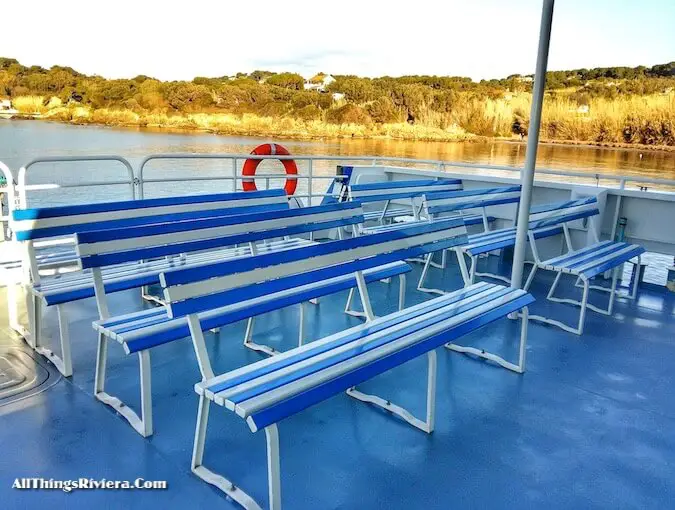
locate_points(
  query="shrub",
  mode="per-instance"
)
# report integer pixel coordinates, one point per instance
(287, 80)
(309, 112)
(382, 111)
(348, 114)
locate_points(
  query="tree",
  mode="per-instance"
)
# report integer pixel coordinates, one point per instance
(291, 81)
(187, 96)
(382, 111)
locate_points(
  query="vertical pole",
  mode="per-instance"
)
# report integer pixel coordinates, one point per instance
(527, 175)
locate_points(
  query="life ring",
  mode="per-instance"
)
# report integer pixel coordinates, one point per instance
(270, 149)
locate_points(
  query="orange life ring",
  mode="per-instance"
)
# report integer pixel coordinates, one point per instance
(270, 149)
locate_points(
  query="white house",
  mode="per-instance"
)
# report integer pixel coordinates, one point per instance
(319, 82)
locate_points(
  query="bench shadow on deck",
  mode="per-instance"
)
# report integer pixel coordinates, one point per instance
(589, 425)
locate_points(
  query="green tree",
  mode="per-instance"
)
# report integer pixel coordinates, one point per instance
(287, 80)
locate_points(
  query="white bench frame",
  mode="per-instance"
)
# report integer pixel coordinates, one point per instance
(182, 292)
(143, 424)
(585, 284)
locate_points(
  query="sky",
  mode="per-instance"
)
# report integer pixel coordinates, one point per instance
(178, 40)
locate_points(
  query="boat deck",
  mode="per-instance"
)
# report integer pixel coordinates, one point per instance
(590, 425)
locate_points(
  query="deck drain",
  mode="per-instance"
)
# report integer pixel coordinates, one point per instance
(21, 375)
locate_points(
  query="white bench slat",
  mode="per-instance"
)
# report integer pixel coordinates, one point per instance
(306, 260)
(276, 394)
(58, 221)
(148, 329)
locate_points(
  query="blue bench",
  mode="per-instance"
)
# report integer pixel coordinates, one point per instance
(485, 242)
(443, 205)
(585, 263)
(264, 233)
(270, 390)
(387, 191)
(57, 224)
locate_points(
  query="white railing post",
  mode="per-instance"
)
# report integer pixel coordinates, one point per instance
(310, 182)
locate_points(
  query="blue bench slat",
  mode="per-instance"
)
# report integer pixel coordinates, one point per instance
(403, 184)
(436, 209)
(188, 275)
(67, 296)
(539, 208)
(209, 301)
(121, 319)
(54, 212)
(217, 221)
(438, 195)
(40, 233)
(316, 350)
(209, 244)
(616, 261)
(606, 250)
(278, 412)
(154, 339)
(563, 259)
(510, 241)
(357, 350)
(559, 220)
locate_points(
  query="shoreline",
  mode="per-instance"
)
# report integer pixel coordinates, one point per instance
(343, 134)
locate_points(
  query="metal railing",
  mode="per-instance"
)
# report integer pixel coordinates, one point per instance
(7, 198)
(138, 180)
(22, 187)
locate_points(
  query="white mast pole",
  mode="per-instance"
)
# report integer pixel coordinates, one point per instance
(527, 174)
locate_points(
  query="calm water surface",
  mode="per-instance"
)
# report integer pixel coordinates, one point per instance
(22, 141)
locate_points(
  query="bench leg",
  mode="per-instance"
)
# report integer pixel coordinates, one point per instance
(13, 310)
(462, 267)
(250, 344)
(423, 276)
(425, 426)
(583, 304)
(355, 313)
(31, 335)
(530, 278)
(223, 483)
(481, 353)
(273, 467)
(472, 271)
(401, 290)
(301, 329)
(64, 363)
(142, 424)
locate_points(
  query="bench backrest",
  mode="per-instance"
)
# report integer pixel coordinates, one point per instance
(455, 201)
(559, 213)
(48, 222)
(110, 247)
(393, 190)
(192, 290)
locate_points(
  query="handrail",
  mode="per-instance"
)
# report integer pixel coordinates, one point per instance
(375, 159)
(8, 189)
(139, 179)
(22, 187)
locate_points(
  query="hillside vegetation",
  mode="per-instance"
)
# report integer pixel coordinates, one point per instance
(616, 105)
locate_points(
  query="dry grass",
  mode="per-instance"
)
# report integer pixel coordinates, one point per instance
(29, 104)
(648, 120)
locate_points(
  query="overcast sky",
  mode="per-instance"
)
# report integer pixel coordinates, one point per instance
(174, 40)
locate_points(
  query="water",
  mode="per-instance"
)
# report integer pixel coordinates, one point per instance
(22, 141)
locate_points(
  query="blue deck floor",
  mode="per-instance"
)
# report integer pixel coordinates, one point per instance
(590, 425)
